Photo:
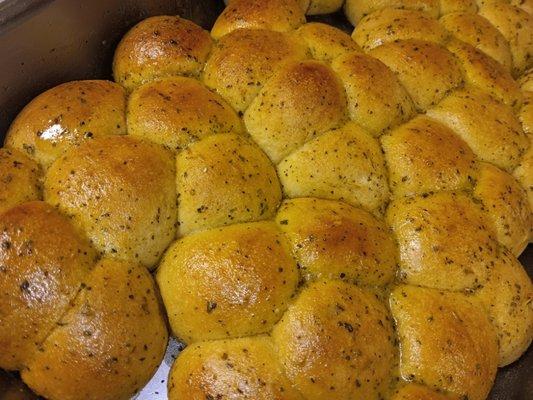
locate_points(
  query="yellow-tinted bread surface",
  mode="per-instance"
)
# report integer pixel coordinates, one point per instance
(121, 192)
(336, 342)
(333, 240)
(507, 205)
(391, 24)
(158, 47)
(178, 111)
(242, 61)
(245, 368)
(227, 282)
(413, 391)
(274, 15)
(109, 344)
(225, 179)
(508, 298)
(376, 99)
(446, 240)
(325, 42)
(427, 70)
(357, 9)
(447, 341)
(20, 179)
(344, 164)
(425, 156)
(486, 73)
(43, 261)
(489, 127)
(480, 33)
(301, 101)
(68, 115)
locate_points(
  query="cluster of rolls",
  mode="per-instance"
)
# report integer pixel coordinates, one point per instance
(310, 203)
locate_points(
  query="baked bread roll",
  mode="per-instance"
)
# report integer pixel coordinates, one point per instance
(331, 216)
(68, 115)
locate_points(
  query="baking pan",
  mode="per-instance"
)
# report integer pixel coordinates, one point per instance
(46, 42)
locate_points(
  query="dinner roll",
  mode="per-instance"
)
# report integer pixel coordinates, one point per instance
(516, 26)
(227, 282)
(178, 111)
(160, 46)
(486, 73)
(480, 33)
(344, 164)
(447, 341)
(224, 179)
(376, 99)
(274, 15)
(244, 60)
(425, 156)
(333, 240)
(244, 368)
(121, 192)
(524, 174)
(109, 344)
(427, 70)
(446, 240)
(507, 205)
(325, 42)
(489, 127)
(20, 178)
(336, 342)
(301, 101)
(414, 391)
(357, 9)
(507, 297)
(67, 115)
(526, 113)
(43, 261)
(449, 6)
(390, 24)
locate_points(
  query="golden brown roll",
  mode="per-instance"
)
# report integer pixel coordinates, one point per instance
(158, 47)
(425, 156)
(524, 174)
(357, 9)
(507, 297)
(222, 180)
(427, 70)
(480, 33)
(317, 7)
(446, 240)
(489, 127)
(447, 341)
(244, 60)
(526, 113)
(325, 42)
(390, 24)
(68, 115)
(376, 99)
(178, 111)
(449, 6)
(344, 164)
(332, 240)
(507, 205)
(20, 179)
(301, 101)
(516, 26)
(109, 344)
(486, 73)
(227, 282)
(43, 262)
(336, 342)
(121, 192)
(244, 368)
(274, 15)
(414, 391)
